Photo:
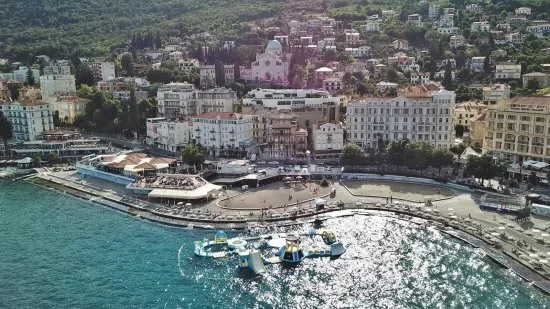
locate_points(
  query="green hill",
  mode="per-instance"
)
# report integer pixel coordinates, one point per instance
(60, 28)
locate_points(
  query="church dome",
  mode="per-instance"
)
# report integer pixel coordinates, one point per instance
(274, 46)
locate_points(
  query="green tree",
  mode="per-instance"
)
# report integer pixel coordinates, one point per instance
(6, 132)
(392, 75)
(14, 91)
(352, 155)
(30, 78)
(418, 155)
(127, 62)
(441, 158)
(36, 160)
(192, 155)
(396, 152)
(487, 69)
(459, 130)
(53, 158)
(448, 77)
(485, 167)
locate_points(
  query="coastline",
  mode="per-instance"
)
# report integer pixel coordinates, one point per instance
(502, 257)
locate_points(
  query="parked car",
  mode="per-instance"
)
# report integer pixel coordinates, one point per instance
(273, 163)
(261, 162)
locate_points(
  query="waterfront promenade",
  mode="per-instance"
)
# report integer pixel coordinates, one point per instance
(502, 237)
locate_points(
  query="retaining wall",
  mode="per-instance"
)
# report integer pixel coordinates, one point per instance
(405, 179)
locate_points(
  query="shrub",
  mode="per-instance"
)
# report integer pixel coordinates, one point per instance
(324, 183)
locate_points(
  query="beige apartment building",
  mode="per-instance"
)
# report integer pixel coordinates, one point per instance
(519, 129)
(465, 113)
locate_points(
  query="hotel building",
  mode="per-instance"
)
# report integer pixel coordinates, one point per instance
(419, 113)
(518, 129)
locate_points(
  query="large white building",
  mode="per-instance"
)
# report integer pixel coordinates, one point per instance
(290, 98)
(103, 70)
(168, 134)
(219, 132)
(420, 113)
(328, 140)
(57, 81)
(182, 100)
(30, 119)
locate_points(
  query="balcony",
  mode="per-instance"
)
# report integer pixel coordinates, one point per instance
(212, 131)
(232, 131)
(212, 138)
(523, 142)
(509, 140)
(231, 139)
(197, 137)
(198, 129)
(537, 144)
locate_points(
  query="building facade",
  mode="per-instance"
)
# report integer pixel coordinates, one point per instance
(286, 140)
(30, 119)
(495, 93)
(420, 113)
(103, 70)
(182, 100)
(517, 129)
(328, 140)
(57, 80)
(465, 113)
(168, 134)
(289, 98)
(220, 132)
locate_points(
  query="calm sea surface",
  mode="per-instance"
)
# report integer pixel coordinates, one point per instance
(60, 252)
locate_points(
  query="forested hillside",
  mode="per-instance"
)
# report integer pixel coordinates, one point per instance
(88, 27)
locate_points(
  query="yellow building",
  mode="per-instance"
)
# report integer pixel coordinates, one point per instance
(465, 113)
(519, 129)
(477, 130)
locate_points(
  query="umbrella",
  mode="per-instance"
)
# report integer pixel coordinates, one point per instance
(298, 177)
(450, 209)
(437, 211)
(427, 210)
(501, 228)
(188, 204)
(543, 261)
(287, 178)
(535, 231)
(544, 235)
(453, 217)
(495, 234)
(534, 255)
(180, 203)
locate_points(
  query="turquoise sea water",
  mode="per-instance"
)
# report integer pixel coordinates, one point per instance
(60, 252)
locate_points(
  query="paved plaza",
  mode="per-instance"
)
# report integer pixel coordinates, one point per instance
(405, 191)
(274, 195)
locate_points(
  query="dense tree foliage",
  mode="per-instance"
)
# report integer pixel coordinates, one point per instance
(62, 28)
(192, 155)
(485, 167)
(6, 131)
